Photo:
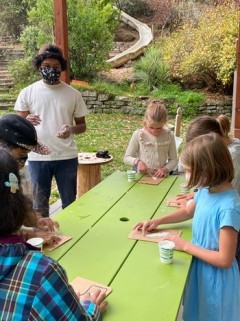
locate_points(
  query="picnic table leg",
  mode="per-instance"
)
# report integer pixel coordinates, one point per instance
(88, 176)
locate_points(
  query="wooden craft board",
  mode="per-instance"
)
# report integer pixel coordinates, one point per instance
(63, 239)
(146, 179)
(177, 203)
(153, 236)
(84, 285)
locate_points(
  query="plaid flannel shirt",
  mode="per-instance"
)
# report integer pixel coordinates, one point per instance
(34, 287)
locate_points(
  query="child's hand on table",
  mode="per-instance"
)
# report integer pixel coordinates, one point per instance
(178, 241)
(145, 226)
(96, 297)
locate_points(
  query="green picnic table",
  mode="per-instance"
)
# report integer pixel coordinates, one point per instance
(99, 223)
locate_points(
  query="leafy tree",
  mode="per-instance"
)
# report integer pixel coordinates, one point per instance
(13, 17)
(91, 27)
(91, 35)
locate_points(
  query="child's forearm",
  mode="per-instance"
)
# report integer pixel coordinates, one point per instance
(177, 216)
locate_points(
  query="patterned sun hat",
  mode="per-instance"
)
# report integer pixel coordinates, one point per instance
(20, 131)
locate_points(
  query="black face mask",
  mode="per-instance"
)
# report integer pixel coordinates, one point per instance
(50, 75)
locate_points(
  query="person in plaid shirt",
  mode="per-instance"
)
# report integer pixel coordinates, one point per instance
(32, 285)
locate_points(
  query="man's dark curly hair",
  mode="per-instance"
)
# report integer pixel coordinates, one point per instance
(50, 51)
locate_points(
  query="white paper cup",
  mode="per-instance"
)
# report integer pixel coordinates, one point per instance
(184, 189)
(131, 175)
(36, 241)
(166, 249)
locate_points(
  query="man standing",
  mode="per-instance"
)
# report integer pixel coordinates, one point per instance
(58, 111)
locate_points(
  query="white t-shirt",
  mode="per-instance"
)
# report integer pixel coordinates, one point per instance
(56, 105)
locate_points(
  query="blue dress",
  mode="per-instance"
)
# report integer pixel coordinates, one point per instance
(212, 293)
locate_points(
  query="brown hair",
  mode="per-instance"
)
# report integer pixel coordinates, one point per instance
(156, 111)
(14, 205)
(209, 161)
(225, 124)
(202, 125)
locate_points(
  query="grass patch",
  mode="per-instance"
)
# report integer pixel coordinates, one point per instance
(110, 132)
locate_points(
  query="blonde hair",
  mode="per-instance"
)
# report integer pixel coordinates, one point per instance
(209, 161)
(225, 124)
(156, 111)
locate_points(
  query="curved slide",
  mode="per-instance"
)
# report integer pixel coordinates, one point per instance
(145, 38)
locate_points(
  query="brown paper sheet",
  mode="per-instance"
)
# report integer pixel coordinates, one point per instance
(146, 179)
(177, 203)
(153, 236)
(63, 239)
(84, 285)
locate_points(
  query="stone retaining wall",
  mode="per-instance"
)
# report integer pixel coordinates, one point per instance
(107, 103)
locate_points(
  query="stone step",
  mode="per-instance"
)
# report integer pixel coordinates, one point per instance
(7, 98)
(6, 101)
(8, 53)
(4, 77)
(3, 66)
(4, 90)
(6, 85)
(6, 106)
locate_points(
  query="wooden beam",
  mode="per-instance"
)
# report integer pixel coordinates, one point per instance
(61, 32)
(236, 96)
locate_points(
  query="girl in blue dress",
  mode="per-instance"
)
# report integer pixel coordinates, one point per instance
(212, 291)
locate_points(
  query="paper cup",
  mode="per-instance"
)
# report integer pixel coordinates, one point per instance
(183, 188)
(36, 241)
(166, 249)
(131, 175)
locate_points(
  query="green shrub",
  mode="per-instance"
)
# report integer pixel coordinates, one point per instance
(207, 52)
(151, 70)
(23, 73)
(91, 35)
(91, 26)
(134, 8)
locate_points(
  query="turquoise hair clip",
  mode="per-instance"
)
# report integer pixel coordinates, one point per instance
(13, 183)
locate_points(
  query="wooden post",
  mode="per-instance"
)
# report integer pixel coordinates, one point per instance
(178, 121)
(236, 96)
(61, 32)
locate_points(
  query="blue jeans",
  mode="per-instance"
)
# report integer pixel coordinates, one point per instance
(42, 173)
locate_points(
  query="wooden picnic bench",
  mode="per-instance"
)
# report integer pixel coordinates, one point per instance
(99, 222)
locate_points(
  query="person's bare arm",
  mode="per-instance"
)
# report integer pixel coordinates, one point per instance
(34, 119)
(221, 258)
(181, 215)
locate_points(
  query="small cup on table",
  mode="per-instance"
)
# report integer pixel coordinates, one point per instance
(131, 175)
(166, 249)
(184, 189)
(36, 242)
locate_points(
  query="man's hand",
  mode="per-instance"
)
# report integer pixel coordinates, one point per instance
(34, 119)
(65, 132)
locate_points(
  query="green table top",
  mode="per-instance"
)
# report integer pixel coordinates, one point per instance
(100, 222)
(80, 216)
